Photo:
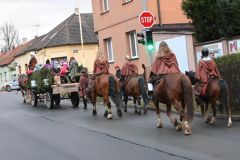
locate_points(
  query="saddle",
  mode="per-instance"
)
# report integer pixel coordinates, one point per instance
(156, 79)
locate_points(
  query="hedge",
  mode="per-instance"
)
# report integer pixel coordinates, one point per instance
(229, 68)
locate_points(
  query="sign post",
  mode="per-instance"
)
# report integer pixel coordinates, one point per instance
(147, 20)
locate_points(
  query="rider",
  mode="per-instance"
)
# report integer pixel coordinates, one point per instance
(118, 72)
(206, 70)
(165, 62)
(129, 69)
(100, 66)
(83, 84)
(32, 63)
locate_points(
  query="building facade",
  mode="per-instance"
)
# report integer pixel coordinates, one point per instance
(64, 42)
(117, 25)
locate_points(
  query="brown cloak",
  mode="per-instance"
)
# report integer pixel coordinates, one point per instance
(165, 65)
(129, 69)
(100, 67)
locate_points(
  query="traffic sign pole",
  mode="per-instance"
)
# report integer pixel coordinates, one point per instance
(147, 20)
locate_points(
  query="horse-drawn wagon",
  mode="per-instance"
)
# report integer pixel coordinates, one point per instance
(44, 87)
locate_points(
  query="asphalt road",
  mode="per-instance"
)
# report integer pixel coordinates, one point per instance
(28, 133)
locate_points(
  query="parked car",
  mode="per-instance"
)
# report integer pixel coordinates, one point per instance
(11, 85)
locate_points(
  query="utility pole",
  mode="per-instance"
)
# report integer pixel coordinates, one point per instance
(81, 35)
(36, 26)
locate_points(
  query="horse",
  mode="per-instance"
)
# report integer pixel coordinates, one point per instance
(105, 86)
(216, 90)
(173, 89)
(135, 87)
(23, 81)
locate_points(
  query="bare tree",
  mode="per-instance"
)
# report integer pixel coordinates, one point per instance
(9, 36)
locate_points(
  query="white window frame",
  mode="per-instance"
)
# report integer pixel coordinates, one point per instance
(130, 44)
(126, 1)
(107, 5)
(109, 40)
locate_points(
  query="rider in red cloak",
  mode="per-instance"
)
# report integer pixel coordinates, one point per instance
(129, 69)
(206, 70)
(164, 63)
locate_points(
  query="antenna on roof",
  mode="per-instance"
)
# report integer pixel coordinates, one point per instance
(36, 26)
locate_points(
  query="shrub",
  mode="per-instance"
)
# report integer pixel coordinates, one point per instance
(229, 68)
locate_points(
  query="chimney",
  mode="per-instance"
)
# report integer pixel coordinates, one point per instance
(76, 11)
(24, 40)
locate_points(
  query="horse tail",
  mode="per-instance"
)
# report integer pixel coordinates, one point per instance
(113, 92)
(141, 83)
(224, 96)
(188, 98)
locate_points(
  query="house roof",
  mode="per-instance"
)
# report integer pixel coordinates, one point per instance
(8, 57)
(67, 32)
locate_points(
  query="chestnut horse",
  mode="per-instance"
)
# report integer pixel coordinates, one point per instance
(136, 88)
(22, 81)
(173, 89)
(216, 90)
(105, 86)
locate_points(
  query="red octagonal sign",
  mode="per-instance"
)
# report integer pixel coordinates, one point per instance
(146, 19)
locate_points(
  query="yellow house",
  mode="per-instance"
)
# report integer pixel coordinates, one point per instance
(63, 42)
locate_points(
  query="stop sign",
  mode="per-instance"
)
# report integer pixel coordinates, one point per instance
(146, 19)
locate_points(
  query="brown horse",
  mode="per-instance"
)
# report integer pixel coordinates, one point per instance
(135, 87)
(216, 90)
(22, 81)
(174, 89)
(106, 85)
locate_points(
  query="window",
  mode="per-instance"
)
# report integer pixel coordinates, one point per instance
(109, 50)
(105, 5)
(133, 44)
(1, 77)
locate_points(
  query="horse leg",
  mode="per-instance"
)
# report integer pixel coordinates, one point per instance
(169, 114)
(125, 100)
(109, 110)
(213, 118)
(93, 99)
(159, 121)
(135, 105)
(185, 126)
(206, 118)
(139, 105)
(229, 115)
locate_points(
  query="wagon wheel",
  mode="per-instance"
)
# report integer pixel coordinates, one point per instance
(49, 100)
(75, 99)
(57, 99)
(34, 99)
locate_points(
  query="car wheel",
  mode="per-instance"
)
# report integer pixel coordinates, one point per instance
(8, 88)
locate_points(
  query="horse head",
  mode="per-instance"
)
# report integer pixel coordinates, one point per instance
(192, 76)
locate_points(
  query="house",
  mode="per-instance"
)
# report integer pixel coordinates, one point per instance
(63, 42)
(8, 66)
(117, 25)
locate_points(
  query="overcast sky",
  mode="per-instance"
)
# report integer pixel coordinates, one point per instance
(24, 14)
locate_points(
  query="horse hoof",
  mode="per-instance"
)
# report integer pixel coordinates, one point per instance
(178, 128)
(125, 109)
(109, 116)
(212, 122)
(135, 111)
(85, 108)
(24, 101)
(139, 112)
(94, 112)
(160, 125)
(175, 122)
(119, 112)
(106, 114)
(229, 125)
(145, 112)
(187, 132)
